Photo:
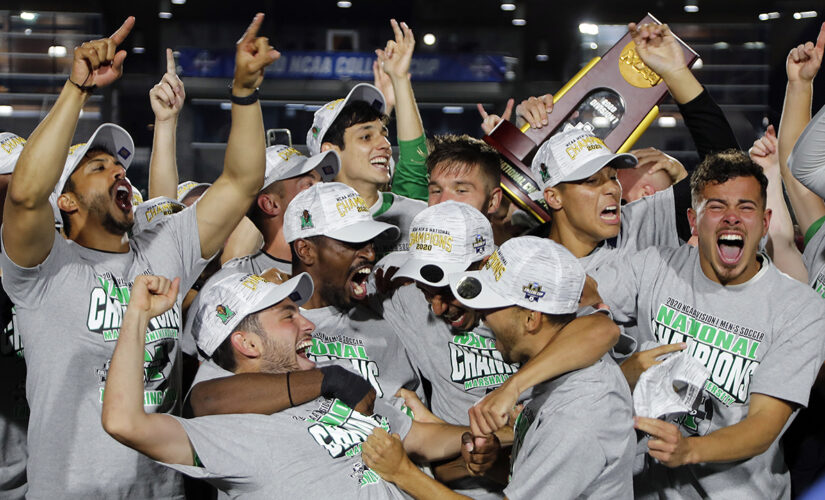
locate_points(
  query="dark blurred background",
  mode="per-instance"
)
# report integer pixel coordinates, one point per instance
(467, 52)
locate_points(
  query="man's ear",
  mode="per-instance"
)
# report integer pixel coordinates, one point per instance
(330, 146)
(766, 221)
(268, 204)
(67, 202)
(691, 215)
(246, 343)
(532, 321)
(306, 251)
(553, 197)
(495, 200)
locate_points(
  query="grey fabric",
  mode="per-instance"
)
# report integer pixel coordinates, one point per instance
(763, 336)
(401, 213)
(310, 451)
(814, 259)
(575, 438)
(808, 156)
(68, 313)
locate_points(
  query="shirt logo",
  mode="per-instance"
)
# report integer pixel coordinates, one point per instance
(532, 291)
(224, 313)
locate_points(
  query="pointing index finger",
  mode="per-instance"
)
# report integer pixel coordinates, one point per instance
(820, 40)
(170, 62)
(252, 31)
(122, 32)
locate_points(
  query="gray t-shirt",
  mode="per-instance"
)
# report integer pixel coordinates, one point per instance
(763, 336)
(575, 438)
(368, 342)
(462, 367)
(399, 211)
(256, 264)
(69, 310)
(309, 451)
(14, 414)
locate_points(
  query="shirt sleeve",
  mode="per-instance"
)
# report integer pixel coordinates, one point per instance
(789, 368)
(410, 177)
(649, 221)
(556, 461)
(707, 125)
(27, 285)
(620, 280)
(807, 159)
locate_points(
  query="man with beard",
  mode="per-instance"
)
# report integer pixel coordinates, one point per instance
(311, 450)
(71, 292)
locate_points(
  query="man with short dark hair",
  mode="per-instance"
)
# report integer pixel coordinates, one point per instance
(70, 293)
(762, 360)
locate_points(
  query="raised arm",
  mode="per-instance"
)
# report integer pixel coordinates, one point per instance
(167, 100)
(28, 220)
(227, 200)
(578, 345)
(157, 435)
(781, 241)
(802, 66)
(662, 52)
(410, 176)
(740, 441)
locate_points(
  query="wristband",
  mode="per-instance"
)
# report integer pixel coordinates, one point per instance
(343, 384)
(243, 101)
(83, 88)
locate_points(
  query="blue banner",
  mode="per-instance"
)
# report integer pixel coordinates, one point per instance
(348, 65)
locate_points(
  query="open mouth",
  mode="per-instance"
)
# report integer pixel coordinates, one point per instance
(358, 282)
(123, 195)
(459, 319)
(730, 247)
(381, 162)
(303, 348)
(610, 214)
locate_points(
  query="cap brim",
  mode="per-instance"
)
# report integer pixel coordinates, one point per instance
(299, 289)
(486, 298)
(367, 93)
(622, 160)
(426, 271)
(327, 164)
(365, 231)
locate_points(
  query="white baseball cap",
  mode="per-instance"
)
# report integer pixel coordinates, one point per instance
(11, 145)
(186, 186)
(286, 162)
(151, 212)
(445, 239)
(334, 210)
(108, 136)
(573, 155)
(531, 272)
(223, 305)
(327, 113)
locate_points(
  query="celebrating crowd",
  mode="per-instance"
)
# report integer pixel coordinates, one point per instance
(343, 325)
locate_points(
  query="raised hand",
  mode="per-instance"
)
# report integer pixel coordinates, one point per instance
(396, 57)
(153, 295)
(765, 150)
(98, 62)
(658, 48)
(252, 55)
(534, 110)
(804, 60)
(489, 122)
(167, 96)
(383, 83)
(661, 161)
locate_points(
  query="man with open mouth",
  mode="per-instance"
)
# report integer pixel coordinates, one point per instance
(756, 330)
(447, 342)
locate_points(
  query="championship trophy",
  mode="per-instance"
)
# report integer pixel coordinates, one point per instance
(615, 96)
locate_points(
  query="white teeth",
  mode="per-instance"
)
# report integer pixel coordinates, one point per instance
(731, 237)
(364, 270)
(122, 189)
(379, 161)
(305, 344)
